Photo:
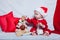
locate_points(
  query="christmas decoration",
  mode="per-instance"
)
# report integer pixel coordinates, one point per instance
(21, 27)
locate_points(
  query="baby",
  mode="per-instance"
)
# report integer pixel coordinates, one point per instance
(40, 26)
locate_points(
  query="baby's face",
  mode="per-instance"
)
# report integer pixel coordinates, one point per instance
(37, 14)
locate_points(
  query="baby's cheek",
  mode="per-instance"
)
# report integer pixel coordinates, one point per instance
(36, 16)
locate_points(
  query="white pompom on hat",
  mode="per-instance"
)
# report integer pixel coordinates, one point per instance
(42, 10)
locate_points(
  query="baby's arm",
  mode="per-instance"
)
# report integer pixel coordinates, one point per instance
(29, 20)
(43, 24)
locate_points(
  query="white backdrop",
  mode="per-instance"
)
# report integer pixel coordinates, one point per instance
(26, 7)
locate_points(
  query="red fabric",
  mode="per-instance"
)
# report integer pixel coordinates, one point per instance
(3, 21)
(11, 23)
(56, 19)
(35, 22)
(16, 20)
(9, 14)
(56, 32)
(33, 29)
(45, 9)
(11, 26)
(8, 22)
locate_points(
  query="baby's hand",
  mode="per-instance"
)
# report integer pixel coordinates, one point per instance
(23, 17)
(34, 34)
(40, 24)
(43, 26)
(46, 33)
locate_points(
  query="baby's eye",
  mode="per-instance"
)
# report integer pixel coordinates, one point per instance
(36, 14)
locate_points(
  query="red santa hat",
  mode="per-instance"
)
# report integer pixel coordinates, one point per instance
(42, 10)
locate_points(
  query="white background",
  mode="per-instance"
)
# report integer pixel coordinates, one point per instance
(26, 7)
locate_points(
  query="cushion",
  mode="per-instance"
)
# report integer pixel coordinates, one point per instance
(12, 22)
(9, 14)
(16, 20)
(8, 22)
(3, 21)
(11, 25)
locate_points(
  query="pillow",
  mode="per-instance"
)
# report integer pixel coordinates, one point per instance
(12, 22)
(9, 14)
(3, 21)
(8, 22)
(16, 20)
(11, 25)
